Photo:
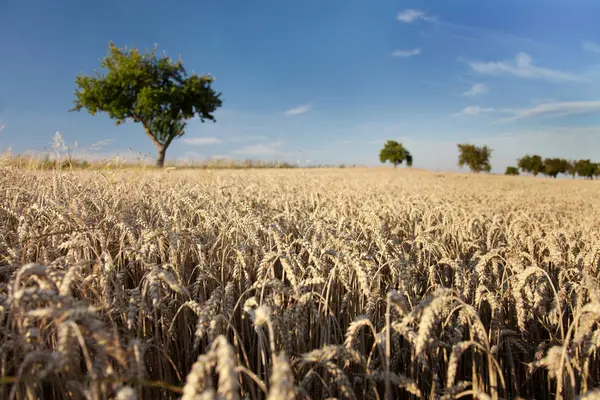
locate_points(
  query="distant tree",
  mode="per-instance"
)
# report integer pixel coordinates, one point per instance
(531, 164)
(555, 166)
(476, 158)
(587, 169)
(395, 153)
(153, 91)
(512, 171)
(572, 168)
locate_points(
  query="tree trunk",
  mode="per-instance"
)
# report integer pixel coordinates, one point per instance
(395, 164)
(160, 160)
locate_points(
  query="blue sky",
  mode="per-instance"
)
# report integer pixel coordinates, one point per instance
(325, 81)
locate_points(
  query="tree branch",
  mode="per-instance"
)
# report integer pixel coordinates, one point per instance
(152, 137)
(170, 139)
(150, 134)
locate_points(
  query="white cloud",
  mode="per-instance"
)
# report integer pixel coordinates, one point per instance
(556, 109)
(260, 149)
(409, 16)
(193, 154)
(548, 109)
(591, 46)
(406, 53)
(247, 138)
(478, 88)
(543, 100)
(100, 144)
(202, 141)
(522, 67)
(298, 110)
(474, 110)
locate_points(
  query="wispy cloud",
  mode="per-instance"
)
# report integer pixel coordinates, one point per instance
(100, 144)
(247, 138)
(260, 149)
(474, 110)
(194, 155)
(406, 53)
(202, 141)
(409, 15)
(298, 110)
(522, 67)
(555, 110)
(477, 33)
(543, 100)
(474, 33)
(476, 89)
(591, 46)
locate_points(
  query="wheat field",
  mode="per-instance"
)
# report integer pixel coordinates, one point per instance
(307, 284)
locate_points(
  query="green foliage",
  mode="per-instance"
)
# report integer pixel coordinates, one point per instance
(395, 153)
(587, 169)
(476, 158)
(531, 164)
(511, 171)
(555, 166)
(147, 89)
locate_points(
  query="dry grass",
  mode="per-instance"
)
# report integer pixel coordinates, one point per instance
(297, 283)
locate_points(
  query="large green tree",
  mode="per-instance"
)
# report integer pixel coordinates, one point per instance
(511, 171)
(395, 153)
(555, 166)
(532, 164)
(476, 158)
(147, 89)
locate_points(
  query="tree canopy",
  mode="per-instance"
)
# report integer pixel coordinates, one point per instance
(395, 153)
(147, 89)
(555, 166)
(532, 164)
(476, 158)
(511, 171)
(587, 169)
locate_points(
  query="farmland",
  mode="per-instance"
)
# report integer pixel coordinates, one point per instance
(346, 283)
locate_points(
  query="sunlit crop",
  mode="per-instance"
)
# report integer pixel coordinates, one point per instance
(339, 283)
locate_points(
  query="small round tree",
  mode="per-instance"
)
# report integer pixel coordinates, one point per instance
(511, 171)
(153, 91)
(476, 158)
(395, 153)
